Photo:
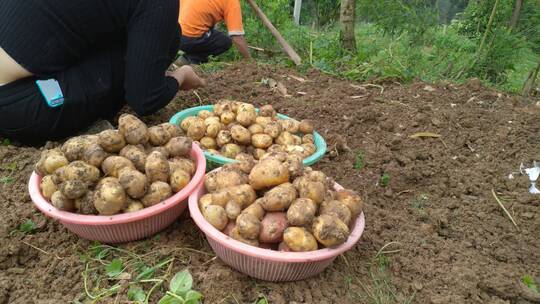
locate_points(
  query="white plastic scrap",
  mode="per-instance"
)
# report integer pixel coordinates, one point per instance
(533, 174)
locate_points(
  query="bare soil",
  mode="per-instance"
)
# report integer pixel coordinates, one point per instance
(444, 238)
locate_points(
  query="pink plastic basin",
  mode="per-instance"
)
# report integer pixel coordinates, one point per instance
(267, 264)
(128, 226)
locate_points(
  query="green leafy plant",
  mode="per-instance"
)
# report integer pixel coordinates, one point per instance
(180, 290)
(28, 227)
(114, 268)
(262, 300)
(385, 180)
(529, 281)
(6, 142)
(359, 163)
(136, 293)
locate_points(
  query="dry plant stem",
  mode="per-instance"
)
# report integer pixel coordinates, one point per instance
(383, 247)
(41, 250)
(504, 208)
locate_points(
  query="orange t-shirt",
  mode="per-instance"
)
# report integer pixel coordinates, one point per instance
(198, 16)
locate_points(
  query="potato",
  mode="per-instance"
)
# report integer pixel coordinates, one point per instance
(157, 192)
(299, 239)
(309, 149)
(258, 153)
(212, 120)
(279, 198)
(318, 176)
(337, 209)
(105, 180)
(208, 143)
(112, 165)
(233, 209)
(48, 186)
(157, 167)
(204, 114)
(133, 129)
(261, 141)
(273, 129)
(221, 106)
(85, 204)
(283, 247)
(94, 155)
(50, 161)
(185, 164)
(111, 141)
(110, 198)
(224, 137)
(276, 148)
(235, 105)
(211, 182)
(159, 149)
(306, 126)
(73, 189)
(267, 111)
(255, 209)
(212, 130)
(171, 129)
(314, 191)
(308, 139)
(352, 200)
(197, 129)
(295, 164)
(248, 226)
(242, 194)
(285, 139)
(133, 206)
(246, 114)
(245, 162)
(267, 173)
(230, 150)
(179, 179)
(179, 146)
(73, 148)
(221, 197)
(297, 140)
(256, 129)
(235, 234)
(272, 227)
(59, 201)
(81, 171)
(289, 125)
(241, 135)
(301, 212)
(134, 182)
(216, 216)
(330, 231)
(227, 117)
(158, 136)
(136, 154)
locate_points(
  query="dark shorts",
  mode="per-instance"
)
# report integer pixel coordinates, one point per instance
(212, 43)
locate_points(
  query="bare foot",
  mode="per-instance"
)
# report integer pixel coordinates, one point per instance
(187, 78)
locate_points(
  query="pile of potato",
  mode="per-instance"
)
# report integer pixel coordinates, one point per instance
(276, 203)
(116, 171)
(235, 127)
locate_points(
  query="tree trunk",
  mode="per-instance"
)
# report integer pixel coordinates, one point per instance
(347, 14)
(515, 15)
(297, 9)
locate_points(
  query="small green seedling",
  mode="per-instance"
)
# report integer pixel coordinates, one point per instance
(385, 179)
(262, 300)
(180, 290)
(359, 163)
(6, 180)
(136, 293)
(529, 281)
(28, 227)
(6, 142)
(114, 268)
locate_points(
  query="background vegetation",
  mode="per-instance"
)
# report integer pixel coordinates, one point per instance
(428, 40)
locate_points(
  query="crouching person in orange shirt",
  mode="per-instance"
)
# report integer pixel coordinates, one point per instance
(199, 37)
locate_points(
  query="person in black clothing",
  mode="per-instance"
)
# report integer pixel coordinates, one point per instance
(102, 53)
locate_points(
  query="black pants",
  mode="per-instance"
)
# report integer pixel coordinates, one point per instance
(92, 90)
(212, 43)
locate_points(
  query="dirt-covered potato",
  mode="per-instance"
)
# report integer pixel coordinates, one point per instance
(59, 201)
(133, 206)
(216, 216)
(263, 121)
(94, 155)
(172, 129)
(134, 182)
(157, 167)
(110, 198)
(233, 209)
(136, 154)
(241, 135)
(211, 120)
(159, 149)
(179, 146)
(222, 106)
(255, 209)
(135, 131)
(337, 209)
(309, 149)
(73, 189)
(204, 114)
(235, 234)
(184, 125)
(246, 114)
(289, 125)
(230, 150)
(301, 212)
(210, 181)
(73, 148)
(248, 225)
(306, 126)
(242, 194)
(111, 141)
(224, 137)
(213, 129)
(267, 111)
(182, 163)
(157, 192)
(272, 227)
(158, 136)
(352, 200)
(48, 186)
(297, 140)
(197, 129)
(112, 165)
(221, 197)
(314, 191)
(295, 164)
(81, 171)
(285, 139)
(330, 231)
(245, 162)
(179, 179)
(256, 129)
(275, 148)
(258, 153)
(227, 117)
(49, 161)
(261, 140)
(279, 198)
(273, 129)
(208, 143)
(299, 239)
(85, 204)
(205, 200)
(267, 173)
(308, 139)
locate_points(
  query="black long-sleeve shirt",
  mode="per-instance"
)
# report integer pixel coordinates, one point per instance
(49, 36)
